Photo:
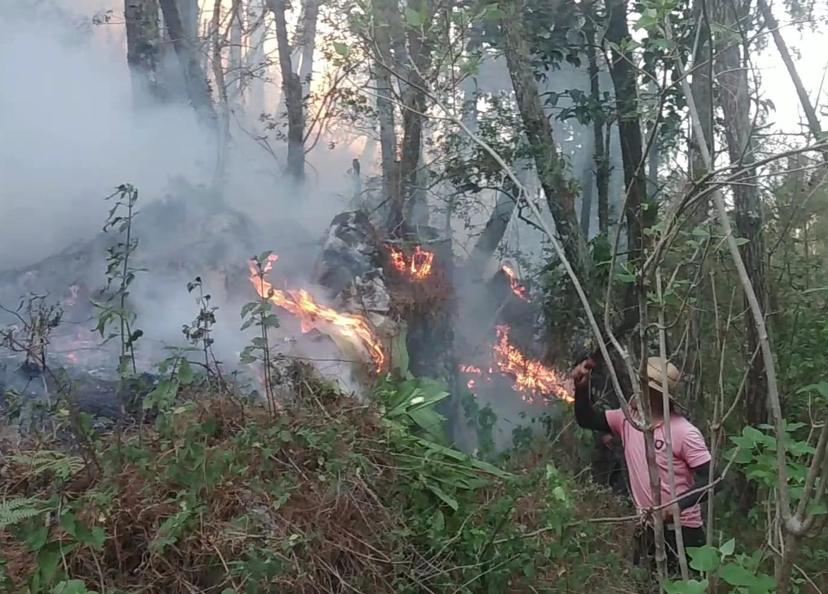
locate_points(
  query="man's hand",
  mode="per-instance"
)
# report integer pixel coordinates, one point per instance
(667, 514)
(580, 375)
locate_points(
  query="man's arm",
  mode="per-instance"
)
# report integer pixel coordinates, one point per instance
(701, 474)
(585, 414)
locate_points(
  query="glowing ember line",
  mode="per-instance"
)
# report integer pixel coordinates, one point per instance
(311, 315)
(530, 374)
(518, 289)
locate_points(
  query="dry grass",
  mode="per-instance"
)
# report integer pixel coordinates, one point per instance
(313, 500)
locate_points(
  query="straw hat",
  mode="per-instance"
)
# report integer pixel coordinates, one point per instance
(654, 375)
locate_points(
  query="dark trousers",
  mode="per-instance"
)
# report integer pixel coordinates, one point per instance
(645, 547)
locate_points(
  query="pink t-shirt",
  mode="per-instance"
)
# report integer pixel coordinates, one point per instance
(689, 451)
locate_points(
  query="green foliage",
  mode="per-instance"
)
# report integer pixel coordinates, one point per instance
(739, 571)
(120, 273)
(16, 510)
(58, 464)
(756, 453)
(410, 402)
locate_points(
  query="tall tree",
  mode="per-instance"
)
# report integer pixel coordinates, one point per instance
(559, 193)
(305, 42)
(382, 74)
(734, 99)
(701, 85)
(624, 78)
(195, 79)
(599, 152)
(782, 47)
(143, 41)
(292, 88)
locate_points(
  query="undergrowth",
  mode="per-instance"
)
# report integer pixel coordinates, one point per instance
(328, 495)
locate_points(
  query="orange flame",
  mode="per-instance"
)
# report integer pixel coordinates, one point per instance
(311, 315)
(518, 289)
(531, 376)
(398, 259)
(419, 265)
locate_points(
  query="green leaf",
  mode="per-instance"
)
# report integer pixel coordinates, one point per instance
(820, 388)
(445, 497)
(736, 575)
(36, 538)
(399, 353)
(742, 241)
(72, 587)
(492, 12)
(704, 558)
(688, 587)
(162, 395)
(185, 373)
(341, 49)
(247, 308)
(727, 548)
(48, 559)
(413, 17)
(438, 521)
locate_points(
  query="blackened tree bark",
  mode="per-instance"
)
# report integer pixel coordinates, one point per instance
(292, 88)
(734, 98)
(143, 42)
(195, 79)
(560, 195)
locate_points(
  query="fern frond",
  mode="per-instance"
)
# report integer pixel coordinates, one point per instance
(15, 510)
(61, 465)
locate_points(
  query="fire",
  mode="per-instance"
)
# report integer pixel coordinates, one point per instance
(418, 266)
(300, 303)
(518, 289)
(530, 375)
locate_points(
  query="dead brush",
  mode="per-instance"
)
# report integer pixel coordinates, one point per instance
(325, 496)
(326, 529)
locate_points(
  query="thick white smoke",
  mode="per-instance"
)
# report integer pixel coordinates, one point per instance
(70, 135)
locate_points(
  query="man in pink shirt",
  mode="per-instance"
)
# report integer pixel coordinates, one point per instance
(691, 458)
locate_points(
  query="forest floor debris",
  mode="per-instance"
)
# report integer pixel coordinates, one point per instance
(327, 495)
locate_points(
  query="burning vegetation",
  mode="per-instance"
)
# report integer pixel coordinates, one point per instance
(518, 290)
(416, 267)
(342, 326)
(532, 379)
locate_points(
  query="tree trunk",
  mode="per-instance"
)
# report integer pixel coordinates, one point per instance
(600, 156)
(559, 193)
(805, 101)
(492, 233)
(734, 97)
(623, 74)
(701, 85)
(235, 64)
(414, 106)
(143, 41)
(305, 44)
(292, 88)
(385, 102)
(198, 91)
(188, 9)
